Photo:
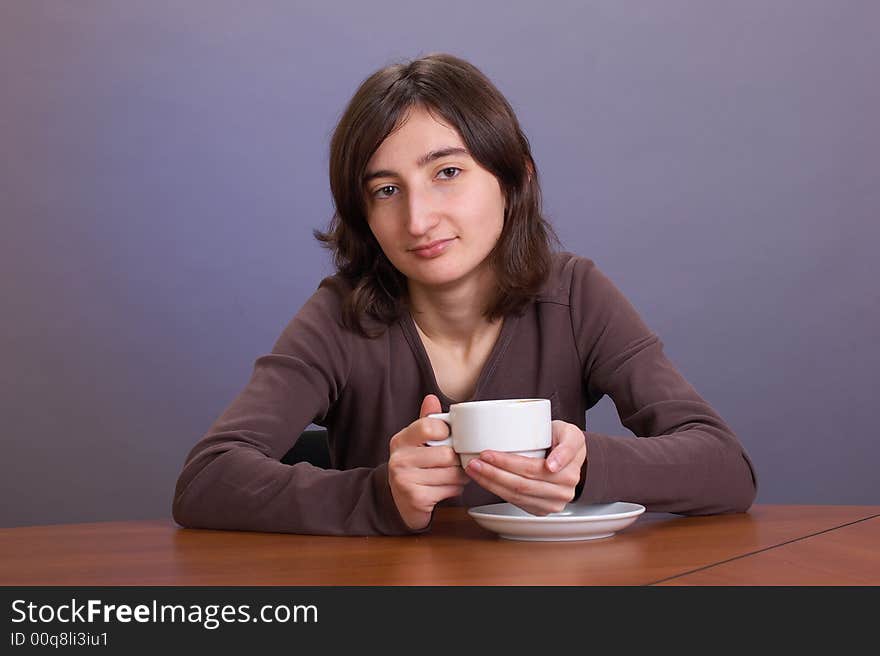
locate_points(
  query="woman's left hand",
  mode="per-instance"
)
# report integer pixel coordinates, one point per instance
(537, 485)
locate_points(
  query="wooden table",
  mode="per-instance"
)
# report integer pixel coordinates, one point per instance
(771, 544)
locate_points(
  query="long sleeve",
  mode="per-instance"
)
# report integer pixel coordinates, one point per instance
(684, 458)
(233, 477)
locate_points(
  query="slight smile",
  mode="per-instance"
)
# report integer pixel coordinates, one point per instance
(434, 248)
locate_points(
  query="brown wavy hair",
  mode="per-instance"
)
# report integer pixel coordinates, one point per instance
(465, 98)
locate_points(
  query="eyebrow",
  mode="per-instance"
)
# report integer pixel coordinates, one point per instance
(423, 161)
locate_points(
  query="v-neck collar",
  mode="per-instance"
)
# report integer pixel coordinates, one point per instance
(418, 347)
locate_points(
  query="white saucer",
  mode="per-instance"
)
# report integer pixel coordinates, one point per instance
(576, 522)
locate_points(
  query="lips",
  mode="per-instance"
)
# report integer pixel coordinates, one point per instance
(431, 244)
(433, 248)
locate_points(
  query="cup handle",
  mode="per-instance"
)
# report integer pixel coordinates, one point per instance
(443, 416)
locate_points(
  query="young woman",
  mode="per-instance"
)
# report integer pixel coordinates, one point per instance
(447, 290)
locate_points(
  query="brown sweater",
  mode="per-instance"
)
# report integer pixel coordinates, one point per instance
(579, 340)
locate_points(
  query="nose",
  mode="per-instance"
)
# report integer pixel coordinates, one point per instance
(421, 217)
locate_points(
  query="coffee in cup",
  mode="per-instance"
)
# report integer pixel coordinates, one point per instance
(519, 426)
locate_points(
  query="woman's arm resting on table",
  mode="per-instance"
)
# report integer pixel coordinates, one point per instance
(686, 459)
(233, 477)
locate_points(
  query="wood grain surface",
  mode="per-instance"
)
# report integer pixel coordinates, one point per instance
(455, 552)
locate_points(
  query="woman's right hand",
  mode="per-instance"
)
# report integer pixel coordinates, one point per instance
(421, 476)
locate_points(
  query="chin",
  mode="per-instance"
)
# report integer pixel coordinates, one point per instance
(432, 279)
(439, 276)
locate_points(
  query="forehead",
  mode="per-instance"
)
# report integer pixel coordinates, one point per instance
(418, 133)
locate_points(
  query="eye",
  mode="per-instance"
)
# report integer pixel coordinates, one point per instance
(450, 168)
(379, 192)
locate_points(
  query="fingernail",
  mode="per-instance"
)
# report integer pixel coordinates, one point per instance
(552, 464)
(475, 464)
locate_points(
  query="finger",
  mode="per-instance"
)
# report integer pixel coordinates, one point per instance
(424, 498)
(440, 476)
(433, 429)
(518, 496)
(429, 457)
(566, 445)
(521, 465)
(510, 486)
(423, 430)
(434, 477)
(444, 492)
(430, 405)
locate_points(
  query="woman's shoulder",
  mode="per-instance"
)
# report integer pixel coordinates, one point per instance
(567, 271)
(333, 289)
(326, 301)
(326, 307)
(314, 321)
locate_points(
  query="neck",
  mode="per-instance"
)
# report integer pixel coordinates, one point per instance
(453, 316)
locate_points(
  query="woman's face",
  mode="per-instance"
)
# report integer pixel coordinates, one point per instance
(413, 202)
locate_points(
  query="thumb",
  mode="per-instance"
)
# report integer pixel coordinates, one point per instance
(430, 405)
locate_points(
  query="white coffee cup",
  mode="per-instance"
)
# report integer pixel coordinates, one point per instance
(520, 426)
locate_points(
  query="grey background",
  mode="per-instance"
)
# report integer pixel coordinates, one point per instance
(163, 164)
